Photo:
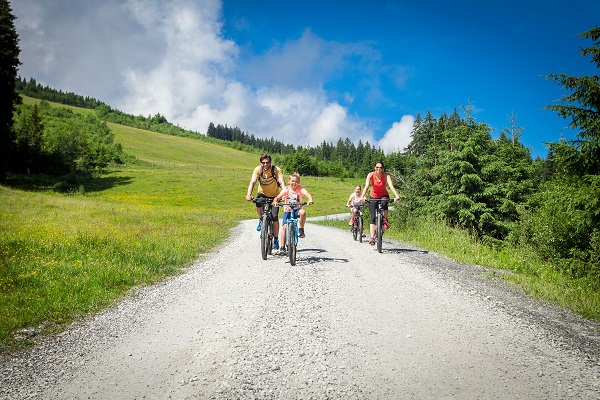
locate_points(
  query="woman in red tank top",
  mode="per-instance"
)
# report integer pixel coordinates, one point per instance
(378, 180)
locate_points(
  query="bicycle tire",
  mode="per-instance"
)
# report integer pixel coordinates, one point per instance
(379, 237)
(355, 228)
(292, 246)
(360, 229)
(264, 237)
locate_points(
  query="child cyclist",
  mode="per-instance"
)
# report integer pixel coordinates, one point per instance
(355, 201)
(293, 193)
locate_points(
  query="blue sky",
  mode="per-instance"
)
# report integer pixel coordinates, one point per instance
(307, 71)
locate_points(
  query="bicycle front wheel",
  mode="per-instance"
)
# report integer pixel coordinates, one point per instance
(292, 244)
(360, 229)
(379, 237)
(355, 228)
(264, 237)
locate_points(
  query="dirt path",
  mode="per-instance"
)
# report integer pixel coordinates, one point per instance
(345, 323)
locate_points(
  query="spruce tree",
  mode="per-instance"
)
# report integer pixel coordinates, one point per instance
(9, 62)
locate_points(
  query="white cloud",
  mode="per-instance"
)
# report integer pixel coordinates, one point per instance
(150, 56)
(398, 136)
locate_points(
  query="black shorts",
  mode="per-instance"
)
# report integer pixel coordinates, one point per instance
(274, 210)
(373, 206)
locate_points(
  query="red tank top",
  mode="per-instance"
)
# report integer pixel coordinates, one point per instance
(378, 189)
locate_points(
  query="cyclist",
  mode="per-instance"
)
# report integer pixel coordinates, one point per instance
(378, 179)
(293, 193)
(270, 181)
(355, 200)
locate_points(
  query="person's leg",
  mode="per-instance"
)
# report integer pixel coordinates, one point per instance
(384, 205)
(302, 215)
(373, 210)
(275, 213)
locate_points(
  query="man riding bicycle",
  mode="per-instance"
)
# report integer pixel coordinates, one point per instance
(270, 181)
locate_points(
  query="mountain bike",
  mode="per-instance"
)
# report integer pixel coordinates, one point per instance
(379, 228)
(291, 231)
(358, 224)
(266, 221)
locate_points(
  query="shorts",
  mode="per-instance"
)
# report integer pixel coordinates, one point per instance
(373, 207)
(288, 214)
(274, 210)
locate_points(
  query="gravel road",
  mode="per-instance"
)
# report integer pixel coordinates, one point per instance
(345, 323)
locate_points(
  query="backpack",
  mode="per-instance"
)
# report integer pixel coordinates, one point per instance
(273, 174)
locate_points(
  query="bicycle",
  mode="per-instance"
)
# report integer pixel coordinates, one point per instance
(266, 221)
(358, 224)
(379, 228)
(291, 231)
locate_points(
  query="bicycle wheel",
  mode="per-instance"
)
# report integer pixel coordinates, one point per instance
(379, 235)
(292, 243)
(355, 228)
(360, 229)
(264, 237)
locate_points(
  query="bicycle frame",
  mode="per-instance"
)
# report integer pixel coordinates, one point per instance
(379, 230)
(266, 233)
(357, 223)
(291, 231)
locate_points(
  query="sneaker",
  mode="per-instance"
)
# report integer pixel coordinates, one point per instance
(282, 251)
(259, 226)
(386, 224)
(301, 232)
(276, 244)
(350, 222)
(372, 241)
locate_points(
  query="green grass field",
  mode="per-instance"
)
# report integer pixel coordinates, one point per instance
(64, 256)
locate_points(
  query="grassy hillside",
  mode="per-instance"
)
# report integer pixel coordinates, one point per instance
(65, 256)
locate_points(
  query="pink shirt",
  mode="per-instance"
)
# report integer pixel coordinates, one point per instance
(291, 195)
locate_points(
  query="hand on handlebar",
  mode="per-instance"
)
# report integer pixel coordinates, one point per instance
(249, 197)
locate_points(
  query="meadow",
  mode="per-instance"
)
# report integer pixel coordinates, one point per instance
(65, 256)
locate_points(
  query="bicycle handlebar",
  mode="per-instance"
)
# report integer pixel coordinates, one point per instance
(263, 200)
(295, 205)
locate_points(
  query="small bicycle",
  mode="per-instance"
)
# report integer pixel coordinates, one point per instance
(379, 230)
(266, 221)
(358, 224)
(291, 231)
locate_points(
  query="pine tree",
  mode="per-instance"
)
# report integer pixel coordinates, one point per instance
(582, 105)
(9, 62)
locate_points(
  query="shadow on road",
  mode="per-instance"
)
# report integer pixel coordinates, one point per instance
(318, 259)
